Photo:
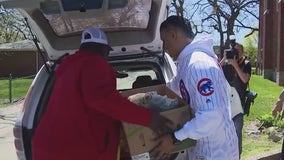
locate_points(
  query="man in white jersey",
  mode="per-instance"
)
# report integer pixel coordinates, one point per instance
(201, 83)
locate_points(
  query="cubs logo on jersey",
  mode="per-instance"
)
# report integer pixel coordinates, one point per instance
(205, 87)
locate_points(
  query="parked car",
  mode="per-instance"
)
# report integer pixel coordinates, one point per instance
(132, 28)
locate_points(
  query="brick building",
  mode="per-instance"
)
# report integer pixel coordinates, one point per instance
(271, 40)
(19, 59)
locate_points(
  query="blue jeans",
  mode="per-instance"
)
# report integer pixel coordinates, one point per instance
(239, 122)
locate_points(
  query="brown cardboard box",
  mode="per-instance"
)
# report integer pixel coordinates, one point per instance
(139, 138)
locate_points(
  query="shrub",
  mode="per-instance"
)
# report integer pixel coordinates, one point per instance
(268, 120)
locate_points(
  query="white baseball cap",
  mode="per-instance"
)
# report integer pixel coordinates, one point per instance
(95, 35)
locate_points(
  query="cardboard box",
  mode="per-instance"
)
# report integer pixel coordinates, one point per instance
(140, 139)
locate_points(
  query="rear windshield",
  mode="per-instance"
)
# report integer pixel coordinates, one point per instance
(127, 15)
(137, 79)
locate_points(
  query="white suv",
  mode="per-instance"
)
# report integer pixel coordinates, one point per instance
(132, 28)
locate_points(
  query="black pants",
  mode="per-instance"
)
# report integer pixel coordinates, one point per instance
(282, 152)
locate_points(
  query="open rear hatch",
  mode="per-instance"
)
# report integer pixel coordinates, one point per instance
(132, 26)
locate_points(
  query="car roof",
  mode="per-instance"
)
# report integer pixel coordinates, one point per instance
(132, 26)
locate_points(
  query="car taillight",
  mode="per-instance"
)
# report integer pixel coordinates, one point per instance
(18, 138)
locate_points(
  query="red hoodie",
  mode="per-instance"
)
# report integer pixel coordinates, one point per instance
(82, 119)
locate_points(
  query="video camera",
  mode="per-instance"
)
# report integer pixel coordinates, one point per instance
(233, 52)
(249, 100)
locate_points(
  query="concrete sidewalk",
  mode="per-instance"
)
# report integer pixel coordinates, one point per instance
(7, 149)
(272, 155)
(8, 116)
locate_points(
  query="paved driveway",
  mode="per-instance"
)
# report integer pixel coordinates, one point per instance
(8, 116)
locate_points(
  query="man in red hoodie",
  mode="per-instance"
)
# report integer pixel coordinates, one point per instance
(82, 119)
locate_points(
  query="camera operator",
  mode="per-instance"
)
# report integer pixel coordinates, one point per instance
(237, 70)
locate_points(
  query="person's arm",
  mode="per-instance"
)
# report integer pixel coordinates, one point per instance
(244, 76)
(278, 105)
(98, 87)
(208, 115)
(206, 90)
(223, 60)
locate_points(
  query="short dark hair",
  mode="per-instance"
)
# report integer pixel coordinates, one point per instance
(179, 22)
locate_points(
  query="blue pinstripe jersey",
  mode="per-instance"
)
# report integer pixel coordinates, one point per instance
(201, 82)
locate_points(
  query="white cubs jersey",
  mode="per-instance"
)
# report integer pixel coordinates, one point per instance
(202, 84)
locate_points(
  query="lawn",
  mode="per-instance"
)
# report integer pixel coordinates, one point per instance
(268, 93)
(18, 87)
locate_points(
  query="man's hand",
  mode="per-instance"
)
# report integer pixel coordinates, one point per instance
(159, 124)
(164, 147)
(277, 108)
(233, 62)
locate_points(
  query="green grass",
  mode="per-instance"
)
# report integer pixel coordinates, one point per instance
(268, 93)
(19, 88)
(258, 145)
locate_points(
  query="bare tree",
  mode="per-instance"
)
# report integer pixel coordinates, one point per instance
(178, 7)
(12, 26)
(224, 16)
